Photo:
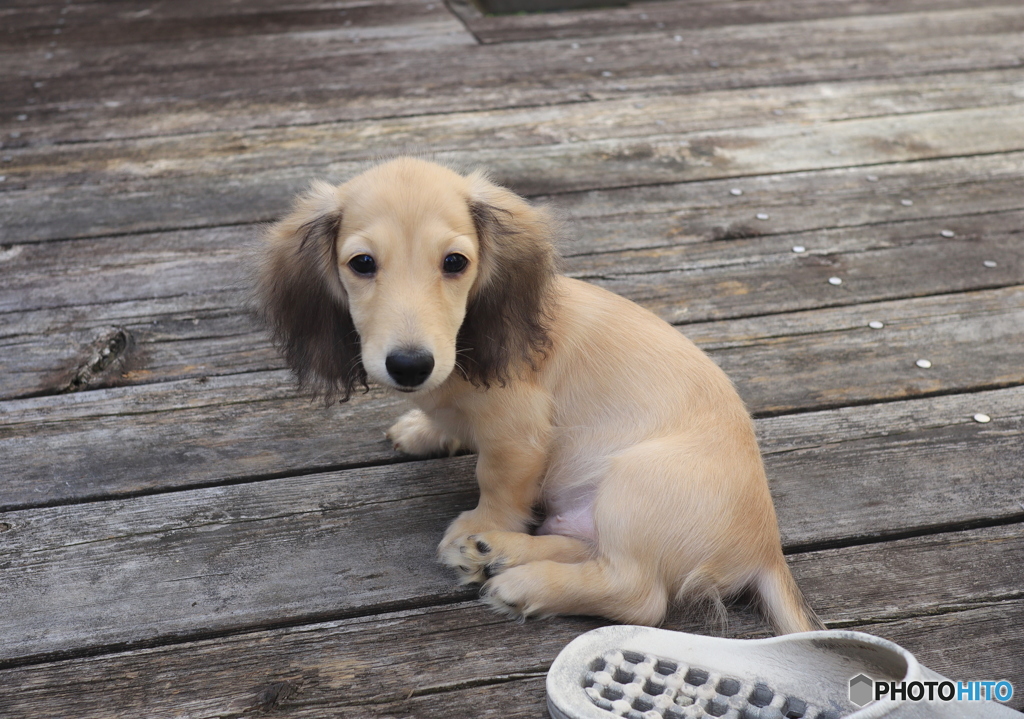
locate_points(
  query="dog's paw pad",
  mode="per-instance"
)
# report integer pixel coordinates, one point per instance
(474, 558)
(461, 556)
(470, 574)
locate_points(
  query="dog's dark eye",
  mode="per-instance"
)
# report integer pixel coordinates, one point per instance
(363, 265)
(454, 263)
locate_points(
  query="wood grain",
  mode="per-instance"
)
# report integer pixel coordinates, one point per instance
(234, 556)
(241, 426)
(679, 16)
(253, 425)
(796, 203)
(92, 26)
(213, 258)
(131, 91)
(863, 366)
(726, 280)
(181, 298)
(213, 152)
(230, 185)
(360, 541)
(182, 533)
(407, 661)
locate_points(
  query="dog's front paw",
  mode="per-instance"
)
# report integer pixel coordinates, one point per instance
(416, 434)
(474, 557)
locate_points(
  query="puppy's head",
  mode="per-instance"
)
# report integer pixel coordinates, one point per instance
(404, 275)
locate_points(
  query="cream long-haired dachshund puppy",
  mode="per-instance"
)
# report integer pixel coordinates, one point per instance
(585, 409)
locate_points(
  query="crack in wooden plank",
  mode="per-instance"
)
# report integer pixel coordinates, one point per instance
(794, 548)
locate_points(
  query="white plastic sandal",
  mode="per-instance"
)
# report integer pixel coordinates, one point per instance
(646, 673)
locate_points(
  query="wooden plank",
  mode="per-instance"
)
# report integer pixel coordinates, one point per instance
(991, 630)
(198, 432)
(800, 202)
(678, 16)
(125, 12)
(935, 482)
(224, 557)
(130, 91)
(175, 184)
(65, 301)
(212, 153)
(765, 275)
(598, 221)
(760, 150)
(916, 577)
(258, 554)
(171, 338)
(781, 434)
(292, 693)
(234, 428)
(108, 24)
(402, 661)
(967, 352)
(259, 149)
(127, 268)
(78, 275)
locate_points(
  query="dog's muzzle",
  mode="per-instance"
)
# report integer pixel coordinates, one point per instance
(409, 368)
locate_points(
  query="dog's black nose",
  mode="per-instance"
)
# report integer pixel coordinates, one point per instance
(410, 368)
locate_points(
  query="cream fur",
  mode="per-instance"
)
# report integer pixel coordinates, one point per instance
(630, 439)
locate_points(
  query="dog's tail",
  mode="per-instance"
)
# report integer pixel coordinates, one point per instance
(783, 602)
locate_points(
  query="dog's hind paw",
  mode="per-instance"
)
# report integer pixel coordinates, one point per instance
(512, 594)
(416, 434)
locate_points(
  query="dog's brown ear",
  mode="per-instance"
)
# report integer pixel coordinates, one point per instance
(299, 295)
(506, 324)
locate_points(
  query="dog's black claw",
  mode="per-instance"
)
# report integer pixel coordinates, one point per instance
(464, 569)
(482, 546)
(489, 571)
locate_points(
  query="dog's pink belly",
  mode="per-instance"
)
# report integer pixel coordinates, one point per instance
(574, 519)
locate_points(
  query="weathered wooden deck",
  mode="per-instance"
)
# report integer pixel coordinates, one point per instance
(183, 535)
